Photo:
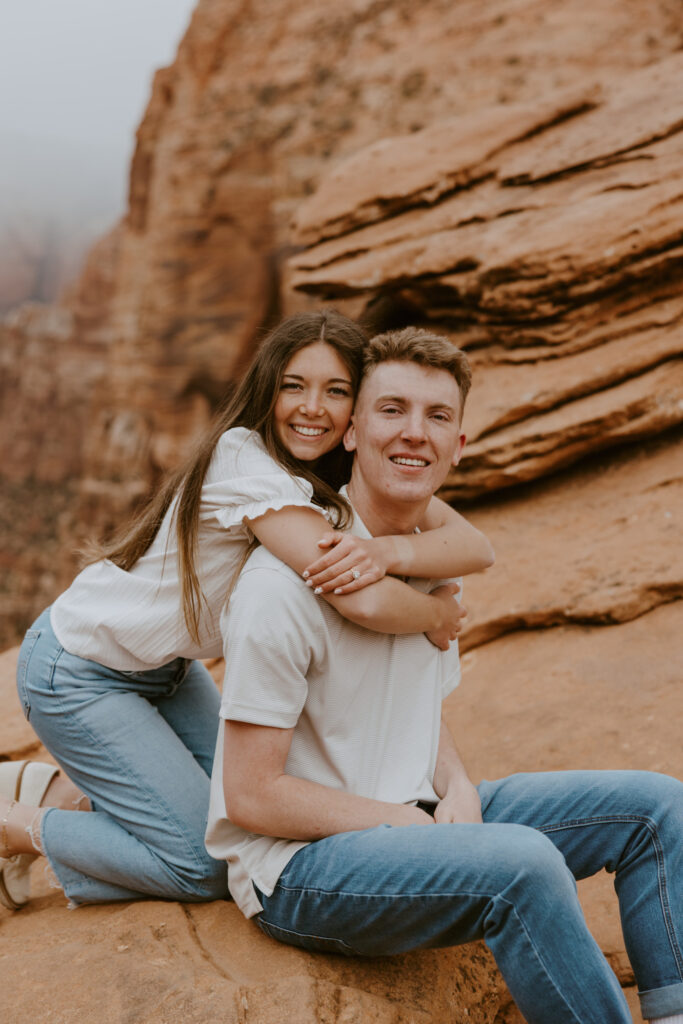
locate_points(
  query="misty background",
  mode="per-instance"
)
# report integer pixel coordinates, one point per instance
(75, 79)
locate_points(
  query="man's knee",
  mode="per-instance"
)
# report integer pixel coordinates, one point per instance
(533, 862)
(653, 796)
(529, 882)
(507, 858)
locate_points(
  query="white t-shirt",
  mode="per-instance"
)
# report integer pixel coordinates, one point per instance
(366, 707)
(132, 621)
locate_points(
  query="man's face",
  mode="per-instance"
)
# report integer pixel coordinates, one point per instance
(405, 431)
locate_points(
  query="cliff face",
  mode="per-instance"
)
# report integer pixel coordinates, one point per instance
(548, 239)
(263, 98)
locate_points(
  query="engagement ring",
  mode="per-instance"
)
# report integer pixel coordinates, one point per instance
(355, 573)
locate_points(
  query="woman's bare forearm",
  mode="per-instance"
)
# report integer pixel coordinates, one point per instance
(452, 548)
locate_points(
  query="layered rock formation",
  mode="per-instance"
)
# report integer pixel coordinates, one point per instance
(262, 99)
(548, 240)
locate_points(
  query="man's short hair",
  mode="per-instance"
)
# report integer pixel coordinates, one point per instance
(417, 345)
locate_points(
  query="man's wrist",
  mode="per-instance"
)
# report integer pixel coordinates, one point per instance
(455, 780)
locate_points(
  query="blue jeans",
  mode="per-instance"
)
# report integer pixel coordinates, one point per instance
(510, 882)
(140, 745)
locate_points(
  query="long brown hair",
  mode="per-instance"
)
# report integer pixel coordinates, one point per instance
(250, 406)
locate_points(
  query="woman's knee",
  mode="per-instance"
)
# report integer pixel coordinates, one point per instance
(203, 879)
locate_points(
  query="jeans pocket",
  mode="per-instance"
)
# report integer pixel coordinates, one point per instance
(25, 653)
(314, 943)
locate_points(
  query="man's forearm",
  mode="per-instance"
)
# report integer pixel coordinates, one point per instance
(293, 808)
(261, 797)
(455, 549)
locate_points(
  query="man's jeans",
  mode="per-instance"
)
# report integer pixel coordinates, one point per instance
(140, 745)
(511, 882)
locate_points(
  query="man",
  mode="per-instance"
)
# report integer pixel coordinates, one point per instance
(340, 802)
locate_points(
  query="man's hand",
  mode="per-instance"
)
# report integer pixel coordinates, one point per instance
(414, 816)
(460, 805)
(460, 801)
(454, 613)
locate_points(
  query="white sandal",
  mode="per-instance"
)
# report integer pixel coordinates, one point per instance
(23, 782)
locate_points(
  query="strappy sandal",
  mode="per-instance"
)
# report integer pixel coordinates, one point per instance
(23, 782)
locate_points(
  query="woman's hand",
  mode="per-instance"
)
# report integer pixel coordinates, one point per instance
(454, 613)
(351, 563)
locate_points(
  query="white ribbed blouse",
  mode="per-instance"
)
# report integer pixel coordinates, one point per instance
(133, 620)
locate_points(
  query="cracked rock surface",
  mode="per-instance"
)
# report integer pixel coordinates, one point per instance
(598, 544)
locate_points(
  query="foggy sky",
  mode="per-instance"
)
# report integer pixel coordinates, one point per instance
(75, 78)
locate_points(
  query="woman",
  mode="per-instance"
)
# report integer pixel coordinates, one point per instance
(109, 676)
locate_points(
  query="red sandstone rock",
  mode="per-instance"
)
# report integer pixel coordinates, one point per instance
(157, 962)
(510, 386)
(260, 102)
(595, 545)
(648, 404)
(587, 260)
(419, 168)
(17, 738)
(522, 253)
(643, 107)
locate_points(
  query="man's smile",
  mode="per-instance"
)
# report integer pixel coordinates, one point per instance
(408, 460)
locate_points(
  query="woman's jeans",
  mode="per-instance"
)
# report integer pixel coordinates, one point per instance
(140, 745)
(511, 882)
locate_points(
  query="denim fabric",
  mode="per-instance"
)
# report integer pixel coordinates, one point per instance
(140, 745)
(510, 882)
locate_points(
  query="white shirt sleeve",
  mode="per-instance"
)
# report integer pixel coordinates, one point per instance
(269, 645)
(244, 482)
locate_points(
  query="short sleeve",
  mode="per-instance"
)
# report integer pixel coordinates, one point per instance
(269, 644)
(244, 482)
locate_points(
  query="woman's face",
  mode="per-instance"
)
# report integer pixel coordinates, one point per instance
(315, 402)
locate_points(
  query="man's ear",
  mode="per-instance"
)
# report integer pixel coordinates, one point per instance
(350, 437)
(457, 454)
